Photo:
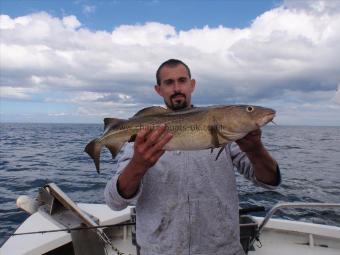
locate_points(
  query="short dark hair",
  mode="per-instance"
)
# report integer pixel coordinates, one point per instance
(171, 63)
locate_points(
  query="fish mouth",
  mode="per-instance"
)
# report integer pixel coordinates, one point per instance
(265, 119)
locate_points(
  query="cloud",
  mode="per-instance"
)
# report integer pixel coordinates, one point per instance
(88, 9)
(288, 55)
(316, 6)
(71, 22)
(17, 92)
(336, 97)
(151, 33)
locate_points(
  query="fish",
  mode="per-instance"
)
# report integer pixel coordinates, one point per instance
(196, 128)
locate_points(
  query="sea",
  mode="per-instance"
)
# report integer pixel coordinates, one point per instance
(32, 155)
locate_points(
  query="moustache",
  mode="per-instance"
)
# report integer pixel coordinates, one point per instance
(177, 94)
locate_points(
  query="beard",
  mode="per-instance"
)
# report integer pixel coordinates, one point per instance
(177, 104)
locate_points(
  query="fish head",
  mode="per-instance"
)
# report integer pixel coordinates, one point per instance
(253, 117)
(258, 115)
(239, 120)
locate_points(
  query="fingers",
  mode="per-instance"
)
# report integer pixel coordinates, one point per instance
(149, 144)
(256, 132)
(141, 135)
(162, 141)
(253, 133)
(251, 136)
(158, 146)
(153, 137)
(156, 156)
(251, 142)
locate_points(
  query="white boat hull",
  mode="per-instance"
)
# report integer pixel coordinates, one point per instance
(279, 237)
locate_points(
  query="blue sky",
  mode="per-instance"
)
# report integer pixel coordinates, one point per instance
(80, 61)
(106, 14)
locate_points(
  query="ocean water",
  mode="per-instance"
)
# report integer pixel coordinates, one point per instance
(32, 155)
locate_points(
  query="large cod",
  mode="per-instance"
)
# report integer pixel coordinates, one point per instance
(196, 128)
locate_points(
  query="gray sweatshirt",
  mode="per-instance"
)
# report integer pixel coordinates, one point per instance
(187, 202)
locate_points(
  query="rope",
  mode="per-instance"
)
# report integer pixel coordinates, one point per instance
(68, 230)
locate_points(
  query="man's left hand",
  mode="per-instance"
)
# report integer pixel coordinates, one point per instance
(251, 142)
(265, 167)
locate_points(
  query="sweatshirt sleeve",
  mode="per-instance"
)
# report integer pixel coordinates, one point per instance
(244, 167)
(112, 196)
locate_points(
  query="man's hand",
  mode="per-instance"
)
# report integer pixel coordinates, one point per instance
(251, 142)
(148, 148)
(265, 167)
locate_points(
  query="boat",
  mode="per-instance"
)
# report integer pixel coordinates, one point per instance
(57, 225)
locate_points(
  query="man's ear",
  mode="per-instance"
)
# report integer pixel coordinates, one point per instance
(193, 84)
(158, 89)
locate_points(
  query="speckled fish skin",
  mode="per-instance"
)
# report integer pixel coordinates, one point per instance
(193, 129)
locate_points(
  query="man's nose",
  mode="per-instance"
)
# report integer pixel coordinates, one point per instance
(177, 86)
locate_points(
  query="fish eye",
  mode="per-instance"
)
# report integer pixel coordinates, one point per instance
(250, 109)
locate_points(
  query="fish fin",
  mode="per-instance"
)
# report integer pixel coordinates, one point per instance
(214, 136)
(218, 129)
(114, 147)
(93, 148)
(219, 152)
(152, 110)
(132, 138)
(213, 129)
(110, 122)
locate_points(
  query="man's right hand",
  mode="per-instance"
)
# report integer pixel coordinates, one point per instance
(148, 148)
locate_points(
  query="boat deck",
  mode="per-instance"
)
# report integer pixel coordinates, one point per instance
(288, 243)
(293, 237)
(279, 237)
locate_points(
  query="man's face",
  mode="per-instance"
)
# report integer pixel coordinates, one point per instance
(176, 87)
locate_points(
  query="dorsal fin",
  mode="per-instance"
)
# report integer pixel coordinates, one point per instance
(152, 110)
(110, 122)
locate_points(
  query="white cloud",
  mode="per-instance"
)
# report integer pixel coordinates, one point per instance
(58, 114)
(87, 9)
(17, 92)
(92, 98)
(315, 6)
(151, 33)
(89, 96)
(289, 54)
(71, 22)
(7, 23)
(336, 97)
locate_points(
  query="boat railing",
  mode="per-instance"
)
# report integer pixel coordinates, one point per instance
(294, 205)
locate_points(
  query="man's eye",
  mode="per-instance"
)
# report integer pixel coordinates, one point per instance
(182, 80)
(168, 82)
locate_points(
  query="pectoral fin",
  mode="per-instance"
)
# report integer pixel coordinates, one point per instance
(213, 129)
(219, 152)
(215, 132)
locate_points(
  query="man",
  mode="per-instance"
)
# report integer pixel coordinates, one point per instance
(186, 202)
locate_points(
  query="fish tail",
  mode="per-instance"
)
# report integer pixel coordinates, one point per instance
(93, 148)
(114, 147)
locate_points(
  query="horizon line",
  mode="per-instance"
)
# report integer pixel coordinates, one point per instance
(96, 123)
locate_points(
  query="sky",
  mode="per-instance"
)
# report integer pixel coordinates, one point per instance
(81, 61)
